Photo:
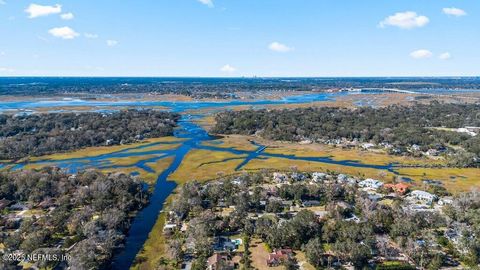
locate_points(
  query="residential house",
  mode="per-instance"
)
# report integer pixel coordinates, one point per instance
(353, 218)
(311, 203)
(432, 152)
(169, 228)
(280, 177)
(370, 183)
(320, 214)
(423, 196)
(445, 201)
(415, 147)
(400, 188)
(296, 176)
(222, 244)
(342, 178)
(318, 177)
(368, 145)
(220, 262)
(278, 256)
(374, 196)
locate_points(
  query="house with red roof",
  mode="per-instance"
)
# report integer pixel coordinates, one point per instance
(400, 188)
(278, 256)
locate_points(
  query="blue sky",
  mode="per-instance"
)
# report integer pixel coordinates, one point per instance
(240, 38)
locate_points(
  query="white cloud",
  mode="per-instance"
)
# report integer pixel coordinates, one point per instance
(35, 10)
(208, 3)
(279, 47)
(228, 69)
(67, 16)
(421, 54)
(2, 53)
(90, 35)
(445, 56)
(6, 70)
(454, 11)
(2, 2)
(63, 32)
(405, 20)
(112, 43)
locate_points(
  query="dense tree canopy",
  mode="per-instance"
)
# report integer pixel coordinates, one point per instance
(400, 126)
(86, 215)
(41, 134)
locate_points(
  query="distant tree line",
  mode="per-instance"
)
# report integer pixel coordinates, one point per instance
(41, 134)
(400, 126)
(85, 215)
(216, 87)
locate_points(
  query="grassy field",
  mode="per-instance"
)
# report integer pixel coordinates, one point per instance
(159, 166)
(156, 147)
(368, 157)
(100, 150)
(233, 141)
(128, 161)
(453, 179)
(204, 165)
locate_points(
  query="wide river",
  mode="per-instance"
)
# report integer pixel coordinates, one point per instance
(192, 136)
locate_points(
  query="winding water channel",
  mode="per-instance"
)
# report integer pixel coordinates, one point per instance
(192, 136)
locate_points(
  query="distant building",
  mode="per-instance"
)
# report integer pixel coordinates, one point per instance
(374, 196)
(353, 218)
(423, 196)
(278, 256)
(432, 152)
(415, 147)
(280, 177)
(445, 201)
(370, 183)
(368, 145)
(311, 203)
(400, 188)
(342, 178)
(318, 176)
(169, 228)
(295, 176)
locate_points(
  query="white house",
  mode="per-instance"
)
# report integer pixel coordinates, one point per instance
(342, 178)
(368, 145)
(169, 227)
(280, 177)
(297, 176)
(374, 196)
(370, 183)
(415, 147)
(318, 176)
(423, 196)
(445, 201)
